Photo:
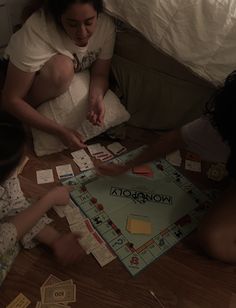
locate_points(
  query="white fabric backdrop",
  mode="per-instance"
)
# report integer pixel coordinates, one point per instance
(201, 34)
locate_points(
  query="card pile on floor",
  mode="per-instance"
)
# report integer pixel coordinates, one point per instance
(82, 160)
(139, 225)
(56, 293)
(90, 240)
(106, 153)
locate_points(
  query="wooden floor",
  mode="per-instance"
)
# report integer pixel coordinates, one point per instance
(184, 277)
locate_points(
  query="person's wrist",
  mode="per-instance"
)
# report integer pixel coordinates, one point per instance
(60, 131)
(95, 98)
(53, 239)
(50, 199)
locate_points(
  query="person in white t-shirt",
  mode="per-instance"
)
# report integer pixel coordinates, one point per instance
(57, 40)
(213, 137)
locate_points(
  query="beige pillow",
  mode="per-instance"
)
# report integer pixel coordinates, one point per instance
(70, 110)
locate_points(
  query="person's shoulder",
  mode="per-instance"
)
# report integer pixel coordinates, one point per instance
(36, 21)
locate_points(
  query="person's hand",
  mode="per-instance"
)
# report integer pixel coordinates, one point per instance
(111, 169)
(67, 249)
(71, 139)
(96, 111)
(60, 195)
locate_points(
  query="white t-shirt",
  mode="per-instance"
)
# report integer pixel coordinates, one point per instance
(203, 139)
(40, 38)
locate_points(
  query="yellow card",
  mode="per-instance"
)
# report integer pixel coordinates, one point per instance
(19, 302)
(139, 226)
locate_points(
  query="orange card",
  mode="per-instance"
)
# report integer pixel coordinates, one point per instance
(143, 170)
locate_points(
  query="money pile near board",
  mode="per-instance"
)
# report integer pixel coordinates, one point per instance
(56, 293)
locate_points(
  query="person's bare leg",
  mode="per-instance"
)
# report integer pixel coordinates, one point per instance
(52, 80)
(217, 232)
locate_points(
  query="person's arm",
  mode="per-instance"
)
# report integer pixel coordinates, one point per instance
(16, 88)
(166, 144)
(98, 88)
(25, 220)
(66, 247)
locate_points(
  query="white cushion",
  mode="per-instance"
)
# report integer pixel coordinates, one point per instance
(70, 110)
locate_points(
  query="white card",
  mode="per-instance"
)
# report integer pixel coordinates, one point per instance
(74, 217)
(89, 243)
(95, 148)
(64, 171)
(106, 158)
(44, 176)
(104, 152)
(84, 165)
(79, 228)
(80, 154)
(103, 255)
(60, 210)
(116, 148)
(193, 165)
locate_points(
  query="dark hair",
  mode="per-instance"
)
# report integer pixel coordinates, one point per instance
(12, 140)
(56, 8)
(222, 109)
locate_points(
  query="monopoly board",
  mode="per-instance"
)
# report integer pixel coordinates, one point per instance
(172, 205)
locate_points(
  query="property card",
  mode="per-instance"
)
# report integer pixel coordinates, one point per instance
(79, 228)
(193, 165)
(45, 176)
(80, 154)
(95, 149)
(60, 210)
(105, 155)
(74, 216)
(82, 160)
(89, 243)
(192, 162)
(19, 302)
(116, 148)
(103, 255)
(64, 171)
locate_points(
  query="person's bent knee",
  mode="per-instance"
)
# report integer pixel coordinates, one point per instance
(213, 242)
(59, 71)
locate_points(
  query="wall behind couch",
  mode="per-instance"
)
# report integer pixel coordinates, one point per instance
(15, 9)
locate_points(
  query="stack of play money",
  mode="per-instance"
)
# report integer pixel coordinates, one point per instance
(56, 293)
